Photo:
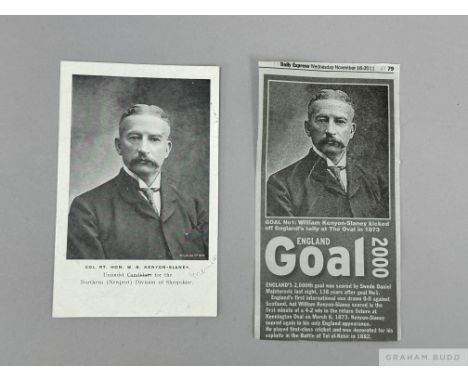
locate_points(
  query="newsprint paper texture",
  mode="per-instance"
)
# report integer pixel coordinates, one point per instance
(327, 240)
(137, 200)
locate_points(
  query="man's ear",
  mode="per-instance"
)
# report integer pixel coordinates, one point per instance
(168, 148)
(117, 146)
(307, 127)
(353, 130)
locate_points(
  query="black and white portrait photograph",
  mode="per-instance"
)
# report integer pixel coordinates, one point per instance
(151, 138)
(327, 153)
(138, 179)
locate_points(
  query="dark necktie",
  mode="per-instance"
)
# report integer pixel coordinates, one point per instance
(336, 171)
(149, 192)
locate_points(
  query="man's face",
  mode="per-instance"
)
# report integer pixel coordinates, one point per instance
(331, 126)
(143, 143)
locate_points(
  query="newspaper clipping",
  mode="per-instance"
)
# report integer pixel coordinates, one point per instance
(137, 199)
(327, 202)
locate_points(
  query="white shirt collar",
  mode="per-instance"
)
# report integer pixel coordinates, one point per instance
(330, 163)
(156, 183)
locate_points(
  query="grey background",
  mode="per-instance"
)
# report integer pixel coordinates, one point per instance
(97, 105)
(433, 53)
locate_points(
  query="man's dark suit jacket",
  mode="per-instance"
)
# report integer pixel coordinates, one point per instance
(306, 188)
(114, 221)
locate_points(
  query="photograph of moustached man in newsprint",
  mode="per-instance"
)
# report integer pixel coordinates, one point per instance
(140, 162)
(327, 254)
(344, 173)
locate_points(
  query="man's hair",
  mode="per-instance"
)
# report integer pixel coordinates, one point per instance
(144, 109)
(338, 95)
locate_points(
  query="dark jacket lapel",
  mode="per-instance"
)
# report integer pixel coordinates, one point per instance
(354, 177)
(168, 197)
